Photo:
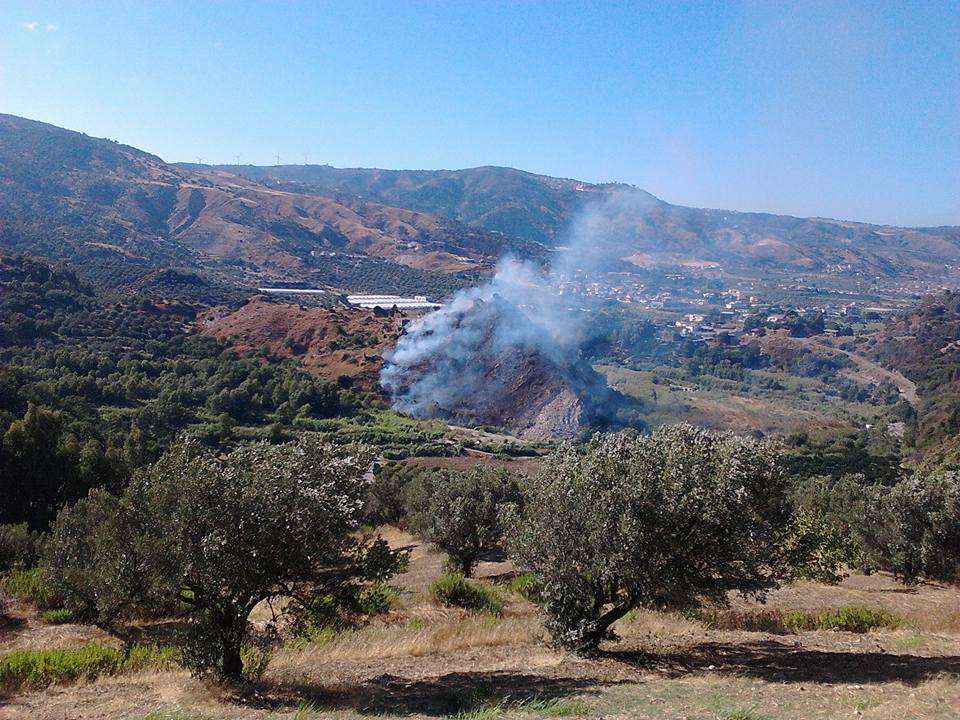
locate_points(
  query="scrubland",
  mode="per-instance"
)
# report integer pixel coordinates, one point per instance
(778, 660)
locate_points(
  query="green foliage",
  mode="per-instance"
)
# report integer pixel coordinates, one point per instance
(377, 599)
(741, 713)
(255, 661)
(106, 388)
(459, 512)
(21, 669)
(32, 585)
(386, 503)
(556, 707)
(454, 590)
(19, 548)
(818, 548)
(526, 586)
(837, 457)
(852, 618)
(920, 533)
(920, 344)
(219, 534)
(56, 617)
(655, 521)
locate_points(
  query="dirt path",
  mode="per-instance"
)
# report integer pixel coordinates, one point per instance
(866, 369)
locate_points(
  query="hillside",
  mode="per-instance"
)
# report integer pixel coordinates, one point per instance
(337, 343)
(541, 208)
(122, 214)
(924, 345)
(67, 196)
(482, 361)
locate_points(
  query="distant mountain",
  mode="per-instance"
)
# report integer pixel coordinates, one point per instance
(534, 207)
(121, 215)
(65, 195)
(541, 209)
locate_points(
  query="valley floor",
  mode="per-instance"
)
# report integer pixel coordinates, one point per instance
(424, 661)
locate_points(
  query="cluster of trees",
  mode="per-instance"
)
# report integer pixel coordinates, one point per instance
(365, 273)
(731, 363)
(90, 391)
(72, 419)
(667, 520)
(909, 526)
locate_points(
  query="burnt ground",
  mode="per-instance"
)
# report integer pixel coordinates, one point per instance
(425, 661)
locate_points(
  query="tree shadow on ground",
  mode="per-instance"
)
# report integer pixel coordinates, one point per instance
(448, 694)
(776, 662)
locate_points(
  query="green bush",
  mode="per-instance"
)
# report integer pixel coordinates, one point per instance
(377, 599)
(526, 586)
(40, 668)
(852, 618)
(255, 661)
(19, 548)
(454, 590)
(56, 617)
(31, 585)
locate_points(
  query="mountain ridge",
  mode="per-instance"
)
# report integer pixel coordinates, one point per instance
(68, 196)
(541, 208)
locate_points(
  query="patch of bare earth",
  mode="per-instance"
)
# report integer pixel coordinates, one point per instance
(21, 629)
(329, 342)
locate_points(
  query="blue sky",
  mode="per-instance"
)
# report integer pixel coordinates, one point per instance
(838, 109)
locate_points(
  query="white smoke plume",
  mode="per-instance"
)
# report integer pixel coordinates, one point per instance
(434, 367)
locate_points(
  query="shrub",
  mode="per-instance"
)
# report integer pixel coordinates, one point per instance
(40, 668)
(459, 512)
(56, 617)
(920, 535)
(526, 586)
(19, 548)
(255, 661)
(455, 590)
(32, 585)
(852, 618)
(219, 535)
(377, 599)
(820, 548)
(655, 521)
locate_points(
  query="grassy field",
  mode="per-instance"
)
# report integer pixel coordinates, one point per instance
(795, 403)
(424, 661)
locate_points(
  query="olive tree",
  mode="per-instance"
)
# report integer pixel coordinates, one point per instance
(459, 512)
(218, 535)
(913, 528)
(666, 520)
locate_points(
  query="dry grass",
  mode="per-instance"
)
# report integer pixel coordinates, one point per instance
(714, 697)
(928, 607)
(27, 632)
(426, 631)
(426, 661)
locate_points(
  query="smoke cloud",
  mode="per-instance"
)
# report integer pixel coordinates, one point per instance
(442, 361)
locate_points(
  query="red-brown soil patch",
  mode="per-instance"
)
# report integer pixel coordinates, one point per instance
(329, 342)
